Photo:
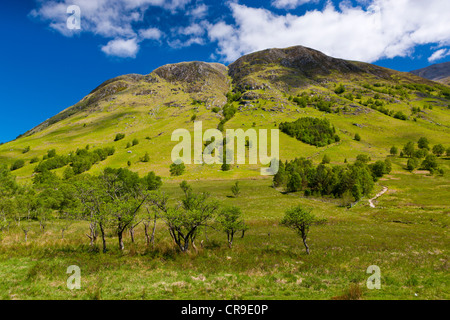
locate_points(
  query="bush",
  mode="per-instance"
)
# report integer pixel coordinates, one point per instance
(17, 164)
(400, 115)
(394, 151)
(339, 89)
(357, 137)
(26, 150)
(177, 169)
(119, 136)
(135, 142)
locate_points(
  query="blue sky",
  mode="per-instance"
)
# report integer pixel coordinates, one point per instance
(46, 67)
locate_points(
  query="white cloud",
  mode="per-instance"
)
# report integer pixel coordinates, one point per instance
(151, 33)
(439, 54)
(113, 19)
(290, 4)
(121, 48)
(383, 29)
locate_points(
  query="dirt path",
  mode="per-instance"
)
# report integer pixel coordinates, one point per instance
(385, 189)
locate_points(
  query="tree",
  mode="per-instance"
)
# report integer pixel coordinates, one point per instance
(423, 143)
(146, 157)
(408, 149)
(236, 190)
(194, 117)
(326, 159)
(230, 222)
(438, 150)
(394, 151)
(185, 219)
(430, 163)
(294, 183)
(299, 220)
(412, 164)
(357, 137)
(135, 142)
(378, 169)
(177, 169)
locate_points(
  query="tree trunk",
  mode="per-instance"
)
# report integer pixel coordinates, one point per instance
(152, 240)
(102, 231)
(132, 234)
(147, 237)
(306, 245)
(120, 235)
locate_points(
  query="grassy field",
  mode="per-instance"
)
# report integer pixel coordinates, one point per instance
(406, 235)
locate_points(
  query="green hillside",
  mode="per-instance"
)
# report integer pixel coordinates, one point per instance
(406, 233)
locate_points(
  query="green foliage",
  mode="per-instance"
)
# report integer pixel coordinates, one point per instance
(408, 149)
(300, 220)
(235, 189)
(215, 109)
(412, 164)
(230, 221)
(151, 181)
(135, 142)
(146, 157)
(194, 117)
(301, 175)
(313, 131)
(326, 159)
(26, 150)
(394, 151)
(20, 163)
(438, 150)
(357, 137)
(430, 163)
(400, 115)
(177, 169)
(423, 143)
(119, 136)
(339, 89)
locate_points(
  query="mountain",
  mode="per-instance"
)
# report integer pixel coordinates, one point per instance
(437, 72)
(355, 97)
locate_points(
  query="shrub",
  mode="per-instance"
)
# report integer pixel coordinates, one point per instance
(135, 142)
(177, 169)
(17, 164)
(357, 137)
(119, 136)
(26, 150)
(394, 151)
(339, 89)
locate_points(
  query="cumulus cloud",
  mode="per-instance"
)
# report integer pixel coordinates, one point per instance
(114, 19)
(438, 55)
(290, 4)
(121, 48)
(382, 29)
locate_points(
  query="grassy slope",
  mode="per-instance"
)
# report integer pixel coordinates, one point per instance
(406, 235)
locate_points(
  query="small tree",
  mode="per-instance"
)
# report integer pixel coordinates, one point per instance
(394, 151)
(230, 222)
(135, 142)
(146, 157)
(423, 143)
(236, 190)
(408, 149)
(326, 159)
(299, 220)
(357, 137)
(177, 169)
(438, 150)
